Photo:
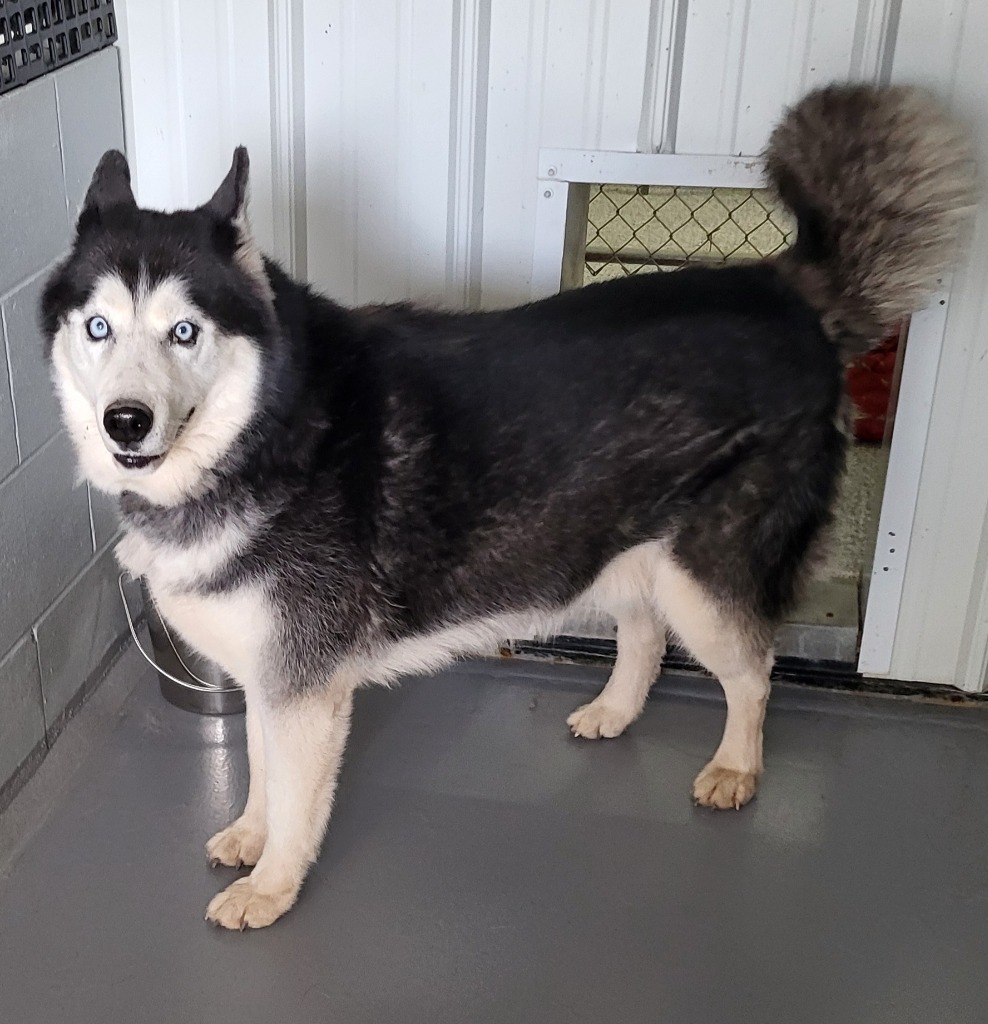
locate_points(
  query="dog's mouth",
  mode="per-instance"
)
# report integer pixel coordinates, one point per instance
(137, 462)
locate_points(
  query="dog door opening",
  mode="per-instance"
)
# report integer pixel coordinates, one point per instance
(635, 229)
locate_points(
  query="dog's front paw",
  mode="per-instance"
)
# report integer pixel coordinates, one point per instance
(598, 720)
(724, 788)
(236, 845)
(241, 905)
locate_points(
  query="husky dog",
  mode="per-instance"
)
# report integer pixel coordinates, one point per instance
(322, 498)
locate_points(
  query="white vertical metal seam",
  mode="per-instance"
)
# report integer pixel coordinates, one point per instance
(179, 97)
(663, 70)
(349, 154)
(594, 82)
(405, 100)
(467, 149)
(297, 219)
(807, 45)
(874, 39)
(227, 81)
(737, 71)
(284, 128)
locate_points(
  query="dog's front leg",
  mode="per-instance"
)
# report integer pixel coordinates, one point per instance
(303, 738)
(242, 842)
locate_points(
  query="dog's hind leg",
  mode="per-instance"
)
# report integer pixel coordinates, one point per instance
(742, 660)
(640, 647)
(242, 842)
(304, 737)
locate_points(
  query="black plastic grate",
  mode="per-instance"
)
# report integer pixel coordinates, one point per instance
(38, 37)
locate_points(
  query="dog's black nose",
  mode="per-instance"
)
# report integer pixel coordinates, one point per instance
(128, 423)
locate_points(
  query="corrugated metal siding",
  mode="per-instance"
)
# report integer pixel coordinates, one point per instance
(196, 84)
(401, 155)
(579, 78)
(379, 123)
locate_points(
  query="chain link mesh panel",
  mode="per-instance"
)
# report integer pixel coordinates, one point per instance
(633, 229)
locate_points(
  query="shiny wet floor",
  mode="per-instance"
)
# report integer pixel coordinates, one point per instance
(482, 865)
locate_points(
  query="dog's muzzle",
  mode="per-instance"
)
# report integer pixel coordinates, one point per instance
(128, 423)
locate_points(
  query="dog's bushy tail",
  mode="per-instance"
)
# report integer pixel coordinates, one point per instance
(880, 180)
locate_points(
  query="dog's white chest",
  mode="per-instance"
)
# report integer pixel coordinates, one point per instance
(230, 627)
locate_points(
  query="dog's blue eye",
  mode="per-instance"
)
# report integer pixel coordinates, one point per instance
(98, 328)
(185, 333)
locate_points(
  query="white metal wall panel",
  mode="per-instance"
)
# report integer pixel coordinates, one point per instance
(517, 54)
(330, 77)
(594, 73)
(152, 119)
(397, 167)
(426, 112)
(241, 47)
(743, 61)
(564, 73)
(942, 634)
(716, 38)
(830, 42)
(197, 84)
(619, 89)
(378, 129)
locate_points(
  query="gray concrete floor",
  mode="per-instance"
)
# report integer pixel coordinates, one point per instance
(484, 866)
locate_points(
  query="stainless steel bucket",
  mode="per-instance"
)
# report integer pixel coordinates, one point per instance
(185, 678)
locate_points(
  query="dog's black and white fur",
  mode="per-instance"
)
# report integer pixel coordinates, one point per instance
(322, 498)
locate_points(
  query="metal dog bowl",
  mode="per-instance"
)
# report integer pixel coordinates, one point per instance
(185, 678)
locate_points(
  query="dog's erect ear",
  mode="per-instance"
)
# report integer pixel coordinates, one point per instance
(229, 199)
(228, 208)
(110, 185)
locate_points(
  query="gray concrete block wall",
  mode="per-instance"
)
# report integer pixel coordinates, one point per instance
(60, 611)
(36, 410)
(45, 536)
(8, 440)
(22, 722)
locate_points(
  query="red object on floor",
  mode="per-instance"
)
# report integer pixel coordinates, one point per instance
(869, 383)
